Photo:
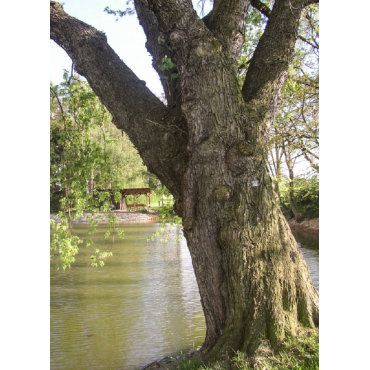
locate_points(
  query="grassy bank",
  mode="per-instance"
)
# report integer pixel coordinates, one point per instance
(300, 353)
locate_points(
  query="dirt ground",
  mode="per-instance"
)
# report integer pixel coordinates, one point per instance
(310, 226)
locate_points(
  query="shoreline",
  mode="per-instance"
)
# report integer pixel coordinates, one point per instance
(124, 217)
(310, 226)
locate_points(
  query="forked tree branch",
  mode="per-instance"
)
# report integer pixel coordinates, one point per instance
(268, 69)
(93, 57)
(132, 105)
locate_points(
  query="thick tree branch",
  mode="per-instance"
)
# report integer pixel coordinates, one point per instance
(173, 14)
(263, 8)
(268, 69)
(93, 57)
(309, 2)
(227, 21)
(175, 27)
(156, 46)
(133, 106)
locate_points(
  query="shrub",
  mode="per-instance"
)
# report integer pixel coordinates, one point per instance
(306, 193)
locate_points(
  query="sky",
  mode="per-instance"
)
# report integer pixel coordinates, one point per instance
(125, 36)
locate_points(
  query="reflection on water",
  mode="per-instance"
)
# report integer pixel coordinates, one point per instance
(142, 305)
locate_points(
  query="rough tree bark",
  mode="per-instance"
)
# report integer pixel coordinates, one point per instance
(208, 146)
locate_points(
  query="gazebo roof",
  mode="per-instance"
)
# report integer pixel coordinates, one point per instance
(138, 191)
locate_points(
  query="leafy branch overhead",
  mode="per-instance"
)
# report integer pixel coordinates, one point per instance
(84, 155)
(121, 13)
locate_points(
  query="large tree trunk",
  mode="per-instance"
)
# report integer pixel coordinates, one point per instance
(209, 148)
(252, 278)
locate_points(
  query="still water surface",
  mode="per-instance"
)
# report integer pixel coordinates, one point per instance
(309, 245)
(141, 306)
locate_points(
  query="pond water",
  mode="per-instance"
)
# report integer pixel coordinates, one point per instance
(141, 306)
(309, 245)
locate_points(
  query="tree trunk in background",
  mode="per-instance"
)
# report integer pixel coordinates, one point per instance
(293, 202)
(277, 168)
(292, 199)
(92, 183)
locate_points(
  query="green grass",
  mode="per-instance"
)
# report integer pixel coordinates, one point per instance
(300, 353)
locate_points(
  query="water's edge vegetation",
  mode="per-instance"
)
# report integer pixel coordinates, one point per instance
(300, 352)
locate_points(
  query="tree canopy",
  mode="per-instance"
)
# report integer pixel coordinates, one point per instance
(87, 152)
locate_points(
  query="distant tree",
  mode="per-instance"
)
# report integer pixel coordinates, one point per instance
(75, 111)
(294, 135)
(306, 195)
(296, 124)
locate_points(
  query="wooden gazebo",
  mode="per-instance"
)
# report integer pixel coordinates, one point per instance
(136, 193)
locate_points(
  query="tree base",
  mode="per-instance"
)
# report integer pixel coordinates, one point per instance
(302, 351)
